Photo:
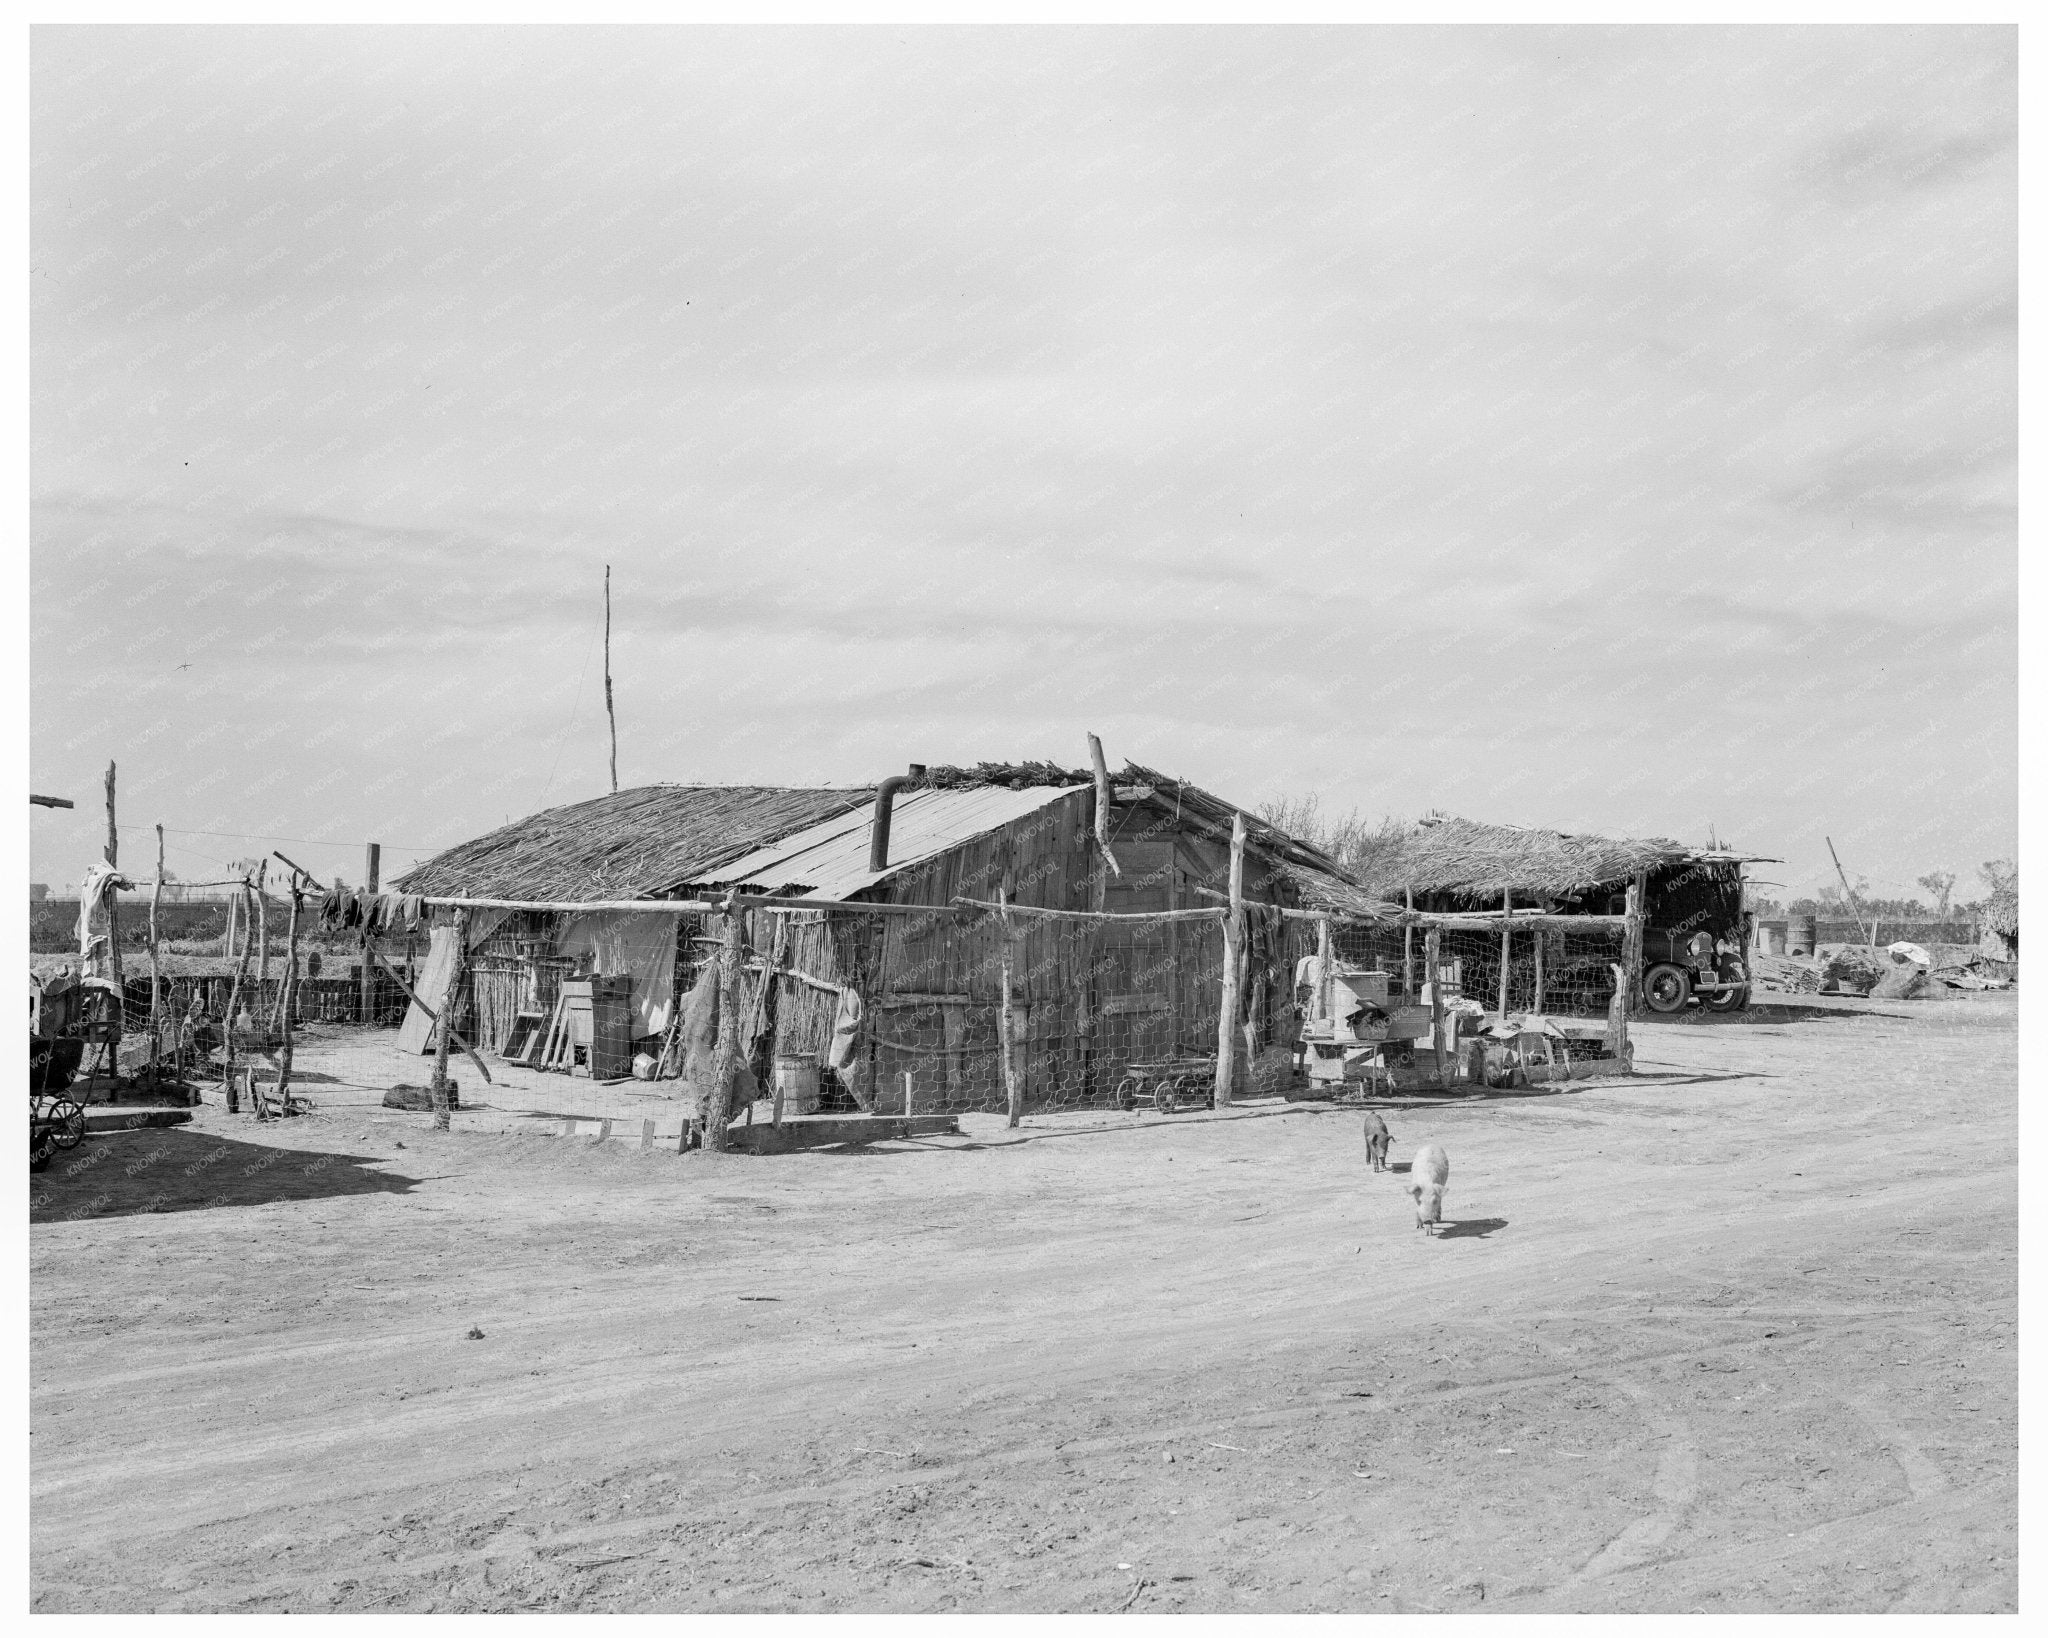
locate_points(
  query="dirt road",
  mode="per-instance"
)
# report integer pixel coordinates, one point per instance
(1739, 1335)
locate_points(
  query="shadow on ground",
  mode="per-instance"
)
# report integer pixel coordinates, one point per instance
(122, 1174)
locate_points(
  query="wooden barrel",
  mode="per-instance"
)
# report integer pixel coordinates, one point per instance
(796, 1078)
(1800, 932)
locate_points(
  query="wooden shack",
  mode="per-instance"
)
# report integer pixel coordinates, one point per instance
(884, 907)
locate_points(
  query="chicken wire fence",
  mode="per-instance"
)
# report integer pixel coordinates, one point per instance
(1557, 971)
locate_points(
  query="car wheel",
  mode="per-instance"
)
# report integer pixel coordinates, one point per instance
(1729, 1000)
(1666, 988)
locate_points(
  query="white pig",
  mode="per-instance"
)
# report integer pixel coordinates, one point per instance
(1428, 1177)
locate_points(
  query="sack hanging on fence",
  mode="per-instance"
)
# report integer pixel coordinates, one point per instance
(845, 1030)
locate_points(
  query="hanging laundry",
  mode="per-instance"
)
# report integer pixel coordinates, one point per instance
(100, 880)
(845, 1029)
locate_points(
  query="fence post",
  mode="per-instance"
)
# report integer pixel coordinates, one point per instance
(367, 1004)
(1631, 962)
(446, 1033)
(716, 1104)
(1233, 944)
(1007, 1026)
(291, 1003)
(113, 901)
(1408, 947)
(1507, 908)
(156, 987)
(1432, 962)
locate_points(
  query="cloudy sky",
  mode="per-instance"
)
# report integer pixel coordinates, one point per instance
(1608, 430)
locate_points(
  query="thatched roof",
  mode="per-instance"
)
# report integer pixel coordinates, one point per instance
(1464, 856)
(652, 841)
(2002, 910)
(633, 844)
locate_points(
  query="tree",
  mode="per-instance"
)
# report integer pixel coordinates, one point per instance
(1999, 874)
(1941, 883)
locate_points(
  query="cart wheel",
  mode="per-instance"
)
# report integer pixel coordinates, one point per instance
(1666, 988)
(1166, 1096)
(1126, 1094)
(67, 1124)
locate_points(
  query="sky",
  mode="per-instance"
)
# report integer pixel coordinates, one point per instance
(1601, 429)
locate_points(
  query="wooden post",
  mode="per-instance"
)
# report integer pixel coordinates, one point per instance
(1004, 1021)
(1855, 909)
(1408, 948)
(608, 714)
(444, 1033)
(228, 1021)
(227, 937)
(1537, 935)
(1323, 968)
(113, 899)
(1432, 960)
(156, 983)
(1507, 906)
(263, 946)
(366, 1004)
(1102, 804)
(291, 1002)
(717, 1098)
(1233, 952)
(1631, 966)
(909, 1092)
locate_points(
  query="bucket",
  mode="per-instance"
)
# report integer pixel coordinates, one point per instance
(796, 1078)
(1800, 932)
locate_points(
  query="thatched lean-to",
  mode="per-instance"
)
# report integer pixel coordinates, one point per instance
(632, 844)
(2002, 915)
(1471, 860)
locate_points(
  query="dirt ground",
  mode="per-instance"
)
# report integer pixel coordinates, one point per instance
(1738, 1335)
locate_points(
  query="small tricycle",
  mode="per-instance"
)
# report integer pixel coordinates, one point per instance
(1168, 1084)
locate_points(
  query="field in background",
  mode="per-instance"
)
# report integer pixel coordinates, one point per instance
(1739, 1335)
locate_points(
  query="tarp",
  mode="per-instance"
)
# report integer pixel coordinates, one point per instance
(642, 947)
(416, 1034)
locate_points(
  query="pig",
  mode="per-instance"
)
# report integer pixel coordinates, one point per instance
(1377, 1138)
(1429, 1176)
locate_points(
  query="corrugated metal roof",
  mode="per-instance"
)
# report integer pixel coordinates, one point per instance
(829, 861)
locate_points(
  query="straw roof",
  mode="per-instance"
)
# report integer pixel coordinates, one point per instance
(1464, 856)
(632, 844)
(652, 841)
(2002, 910)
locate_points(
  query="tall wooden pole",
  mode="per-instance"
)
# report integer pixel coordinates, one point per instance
(1631, 961)
(366, 1001)
(1408, 948)
(291, 1002)
(717, 1098)
(263, 946)
(156, 982)
(1233, 952)
(445, 1034)
(1537, 935)
(609, 716)
(1006, 1022)
(1507, 905)
(113, 901)
(1855, 909)
(1433, 963)
(1102, 803)
(1323, 968)
(228, 1022)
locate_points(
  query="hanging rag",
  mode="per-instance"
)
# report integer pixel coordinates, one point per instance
(100, 880)
(330, 907)
(351, 908)
(845, 1029)
(413, 908)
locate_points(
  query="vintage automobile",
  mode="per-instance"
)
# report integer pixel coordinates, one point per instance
(1680, 965)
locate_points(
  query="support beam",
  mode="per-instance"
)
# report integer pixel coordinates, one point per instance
(1005, 1022)
(366, 1003)
(445, 1034)
(156, 982)
(113, 900)
(1408, 946)
(1233, 955)
(1433, 963)
(1507, 911)
(718, 1096)
(1102, 803)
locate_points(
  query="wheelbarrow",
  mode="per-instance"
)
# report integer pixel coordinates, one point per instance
(1168, 1084)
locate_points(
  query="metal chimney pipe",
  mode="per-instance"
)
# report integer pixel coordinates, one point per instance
(885, 802)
